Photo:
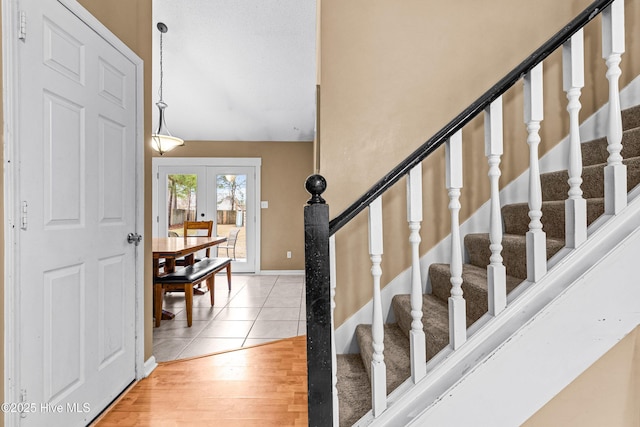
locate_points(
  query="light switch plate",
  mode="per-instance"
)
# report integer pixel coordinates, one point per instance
(264, 204)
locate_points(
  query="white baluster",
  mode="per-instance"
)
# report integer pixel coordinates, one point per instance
(457, 304)
(496, 273)
(573, 82)
(378, 368)
(334, 361)
(615, 173)
(414, 217)
(533, 115)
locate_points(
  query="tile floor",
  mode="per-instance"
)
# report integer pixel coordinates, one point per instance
(258, 309)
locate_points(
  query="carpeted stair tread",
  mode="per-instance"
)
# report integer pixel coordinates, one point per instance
(513, 251)
(435, 320)
(396, 353)
(516, 217)
(474, 287)
(354, 387)
(555, 186)
(595, 152)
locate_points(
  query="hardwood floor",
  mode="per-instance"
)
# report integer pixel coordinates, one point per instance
(264, 385)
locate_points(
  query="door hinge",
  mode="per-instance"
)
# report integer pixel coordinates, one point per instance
(22, 26)
(23, 217)
(23, 400)
(158, 218)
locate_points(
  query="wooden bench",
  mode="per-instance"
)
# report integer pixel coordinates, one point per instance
(184, 280)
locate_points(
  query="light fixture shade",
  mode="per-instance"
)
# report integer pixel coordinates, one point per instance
(164, 143)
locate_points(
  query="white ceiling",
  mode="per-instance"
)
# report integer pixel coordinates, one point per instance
(237, 70)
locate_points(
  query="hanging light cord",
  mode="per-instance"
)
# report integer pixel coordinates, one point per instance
(161, 71)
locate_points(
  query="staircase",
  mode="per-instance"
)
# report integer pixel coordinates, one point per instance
(354, 388)
(502, 292)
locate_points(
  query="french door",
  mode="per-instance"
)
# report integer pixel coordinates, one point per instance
(225, 191)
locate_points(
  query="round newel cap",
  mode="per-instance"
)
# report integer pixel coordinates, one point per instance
(315, 185)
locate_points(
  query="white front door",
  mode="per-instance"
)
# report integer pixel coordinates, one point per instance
(76, 271)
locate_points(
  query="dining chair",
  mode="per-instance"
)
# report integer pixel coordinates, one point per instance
(198, 228)
(231, 242)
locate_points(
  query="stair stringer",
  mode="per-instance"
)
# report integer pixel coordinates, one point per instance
(515, 363)
(557, 158)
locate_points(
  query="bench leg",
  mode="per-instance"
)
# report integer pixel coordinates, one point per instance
(157, 303)
(188, 296)
(229, 275)
(211, 284)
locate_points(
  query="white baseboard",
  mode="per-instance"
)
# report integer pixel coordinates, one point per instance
(281, 272)
(514, 192)
(149, 366)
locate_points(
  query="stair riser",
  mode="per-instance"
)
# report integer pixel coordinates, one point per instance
(516, 217)
(513, 252)
(555, 187)
(595, 152)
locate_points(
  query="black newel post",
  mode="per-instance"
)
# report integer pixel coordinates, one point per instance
(316, 249)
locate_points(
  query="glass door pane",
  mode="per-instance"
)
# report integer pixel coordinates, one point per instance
(231, 192)
(231, 214)
(181, 197)
(182, 201)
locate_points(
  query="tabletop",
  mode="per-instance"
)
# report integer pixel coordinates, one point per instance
(174, 247)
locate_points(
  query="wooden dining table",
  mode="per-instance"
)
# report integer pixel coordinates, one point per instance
(171, 248)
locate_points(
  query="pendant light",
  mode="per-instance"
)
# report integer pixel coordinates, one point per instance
(163, 141)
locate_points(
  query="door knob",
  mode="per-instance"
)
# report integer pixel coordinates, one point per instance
(134, 238)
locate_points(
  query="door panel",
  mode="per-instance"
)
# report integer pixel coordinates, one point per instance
(64, 164)
(76, 272)
(231, 196)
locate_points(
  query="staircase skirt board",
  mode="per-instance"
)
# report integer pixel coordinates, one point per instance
(522, 311)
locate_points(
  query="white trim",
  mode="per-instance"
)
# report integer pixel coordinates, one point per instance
(256, 162)
(149, 366)
(515, 191)
(11, 188)
(281, 272)
(10, 132)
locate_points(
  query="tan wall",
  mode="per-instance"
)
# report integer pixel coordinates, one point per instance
(285, 166)
(392, 75)
(606, 394)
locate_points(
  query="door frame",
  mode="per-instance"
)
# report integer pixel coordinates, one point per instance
(11, 187)
(255, 162)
